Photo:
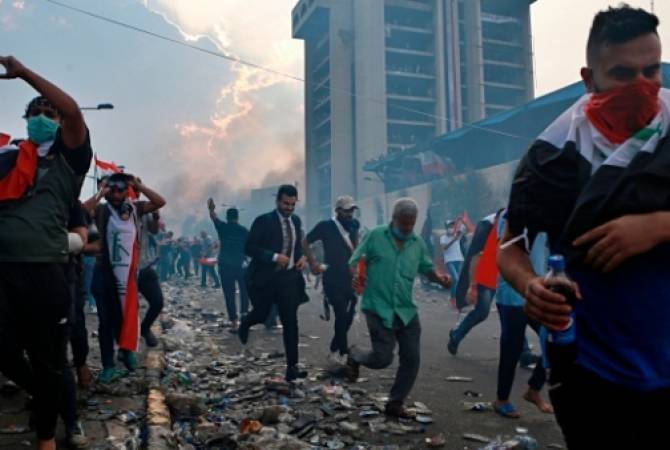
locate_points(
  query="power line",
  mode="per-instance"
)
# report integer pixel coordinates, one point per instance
(274, 71)
(172, 40)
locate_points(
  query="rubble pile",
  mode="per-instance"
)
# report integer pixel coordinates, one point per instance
(223, 397)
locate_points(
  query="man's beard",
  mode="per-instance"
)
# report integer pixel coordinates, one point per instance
(348, 223)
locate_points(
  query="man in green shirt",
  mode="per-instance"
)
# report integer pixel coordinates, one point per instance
(393, 257)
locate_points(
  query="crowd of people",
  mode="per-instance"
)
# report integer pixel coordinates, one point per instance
(593, 188)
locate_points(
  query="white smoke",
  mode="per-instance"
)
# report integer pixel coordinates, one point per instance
(256, 121)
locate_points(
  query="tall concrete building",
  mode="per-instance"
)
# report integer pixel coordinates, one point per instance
(384, 75)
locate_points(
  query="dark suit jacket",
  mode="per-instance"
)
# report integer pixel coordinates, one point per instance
(264, 240)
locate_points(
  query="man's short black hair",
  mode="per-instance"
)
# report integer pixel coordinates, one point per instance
(39, 102)
(288, 190)
(119, 176)
(232, 214)
(618, 25)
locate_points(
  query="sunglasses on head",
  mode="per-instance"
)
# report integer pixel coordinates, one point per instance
(117, 185)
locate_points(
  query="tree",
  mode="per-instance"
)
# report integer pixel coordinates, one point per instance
(469, 192)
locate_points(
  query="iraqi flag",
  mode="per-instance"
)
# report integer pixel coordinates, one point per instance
(105, 169)
(18, 165)
(573, 180)
(122, 239)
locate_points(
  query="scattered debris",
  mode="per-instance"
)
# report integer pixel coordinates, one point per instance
(476, 438)
(224, 398)
(436, 441)
(459, 379)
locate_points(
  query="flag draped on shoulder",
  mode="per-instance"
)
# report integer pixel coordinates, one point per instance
(573, 180)
(588, 180)
(18, 165)
(122, 239)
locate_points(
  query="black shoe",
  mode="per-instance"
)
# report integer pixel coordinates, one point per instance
(452, 346)
(243, 332)
(293, 373)
(528, 360)
(150, 339)
(352, 370)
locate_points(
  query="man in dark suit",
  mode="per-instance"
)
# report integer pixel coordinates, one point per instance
(275, 273)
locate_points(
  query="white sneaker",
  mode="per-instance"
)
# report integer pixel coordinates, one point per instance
(76, 437)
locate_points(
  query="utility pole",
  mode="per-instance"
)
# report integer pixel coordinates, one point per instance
(652, 5)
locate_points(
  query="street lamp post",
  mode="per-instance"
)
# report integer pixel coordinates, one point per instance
(100, 106)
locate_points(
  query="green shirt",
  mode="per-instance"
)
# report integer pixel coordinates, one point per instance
(391, 271)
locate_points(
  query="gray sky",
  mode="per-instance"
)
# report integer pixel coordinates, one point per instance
(196, 125)
(560, 30)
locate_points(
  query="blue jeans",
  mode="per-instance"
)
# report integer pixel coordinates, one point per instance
(477, 315)
(454, 268)
(230, 275)
(164, 265)
(205, 270)
(513, 322)
(89, 267)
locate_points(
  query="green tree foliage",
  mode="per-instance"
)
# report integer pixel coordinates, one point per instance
(469, 192)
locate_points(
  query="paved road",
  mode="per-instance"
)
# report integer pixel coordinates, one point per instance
(98, 408)
(477, 358)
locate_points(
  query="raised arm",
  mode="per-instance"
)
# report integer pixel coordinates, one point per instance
(73, 128)
(155, 200)
(212, 213)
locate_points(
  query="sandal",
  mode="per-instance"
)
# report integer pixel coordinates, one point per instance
(506, 409)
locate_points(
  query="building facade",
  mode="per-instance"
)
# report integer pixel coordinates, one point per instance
(384, 75)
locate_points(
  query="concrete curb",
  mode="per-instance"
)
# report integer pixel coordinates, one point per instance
(159, 422)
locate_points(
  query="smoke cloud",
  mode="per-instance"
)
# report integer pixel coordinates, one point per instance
(254, 134)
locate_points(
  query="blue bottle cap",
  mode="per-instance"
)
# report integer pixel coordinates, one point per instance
(557, 263)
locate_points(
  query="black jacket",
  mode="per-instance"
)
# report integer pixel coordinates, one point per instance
(265, 239)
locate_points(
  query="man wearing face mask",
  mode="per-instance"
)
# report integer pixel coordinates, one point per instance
(39, 179)
(339, 237)
(597, 180)
(394, 255)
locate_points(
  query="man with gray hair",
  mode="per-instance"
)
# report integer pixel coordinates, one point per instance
(393, 256)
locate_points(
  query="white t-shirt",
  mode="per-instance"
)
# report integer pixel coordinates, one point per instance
(453, 253)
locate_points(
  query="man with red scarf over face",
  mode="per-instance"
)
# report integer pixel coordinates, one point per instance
(598, 182)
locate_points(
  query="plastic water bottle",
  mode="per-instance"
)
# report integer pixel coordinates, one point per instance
(526, 442)
(561, 347)
(558, 281)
